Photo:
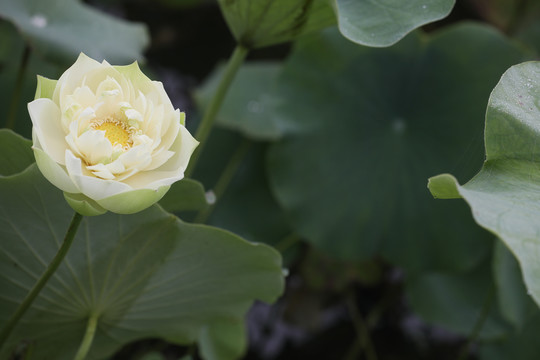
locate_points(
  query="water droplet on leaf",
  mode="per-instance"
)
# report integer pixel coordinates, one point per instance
(255, 107)
(399, 125)
(39, 21)
(210, 197)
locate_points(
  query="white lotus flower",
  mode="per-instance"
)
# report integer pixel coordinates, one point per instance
(108, 137)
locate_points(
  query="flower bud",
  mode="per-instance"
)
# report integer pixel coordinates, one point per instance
(108, 137)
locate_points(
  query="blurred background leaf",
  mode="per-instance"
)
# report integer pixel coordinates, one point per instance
(457, 301)
(60, 29)
(246, 106)
(13, 104)
(368, 126)
(515, 304)
(522, 345)
(385, 22)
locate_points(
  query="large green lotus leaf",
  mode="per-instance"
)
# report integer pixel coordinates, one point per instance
(505, 194)
(258, 23)
(385, 22)
(146, 275)
(515, 305)
(456, 301)
(16, 153)
(61, 29)
(367, 126)
(245, 107)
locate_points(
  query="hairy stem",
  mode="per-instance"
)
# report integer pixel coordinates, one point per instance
(287, 242)
(68, 239)
(207, 122)
(225, 179)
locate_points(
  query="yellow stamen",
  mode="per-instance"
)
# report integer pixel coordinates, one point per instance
(117, 132)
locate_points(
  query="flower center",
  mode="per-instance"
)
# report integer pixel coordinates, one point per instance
(116, 131)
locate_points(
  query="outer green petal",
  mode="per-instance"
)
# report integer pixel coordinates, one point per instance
(134, 201)
(84, 205)
(133, 73)
(183, 118)
(54, 172)
(45, 87)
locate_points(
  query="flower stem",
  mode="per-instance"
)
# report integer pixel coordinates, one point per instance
(203, 131)
(88, 337)
(70, 235)
(225, 179)
(16, 94)
(363, 341)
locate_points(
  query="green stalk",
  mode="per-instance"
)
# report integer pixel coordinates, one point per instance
(464, 353)
(17, 90)
(70, 235)
(363, 341)
(207, 122)
(287, 242)
(225, 179)
(88, 337)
